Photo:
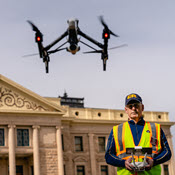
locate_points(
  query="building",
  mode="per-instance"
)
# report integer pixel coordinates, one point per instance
(39, 136)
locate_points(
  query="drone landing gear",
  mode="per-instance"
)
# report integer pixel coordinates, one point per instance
(46, 62)
(104, 65)
(139, 166)
(139, 151)
(47, 66)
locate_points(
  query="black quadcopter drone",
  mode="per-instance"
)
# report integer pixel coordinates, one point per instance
(72, 32)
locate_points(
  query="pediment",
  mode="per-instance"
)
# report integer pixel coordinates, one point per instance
(80, 159)
(14, 97)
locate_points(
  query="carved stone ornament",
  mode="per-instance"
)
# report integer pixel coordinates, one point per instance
(11, 99)
(100, 159)
(80, 159)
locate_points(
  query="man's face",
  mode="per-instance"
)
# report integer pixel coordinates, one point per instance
(134, 110)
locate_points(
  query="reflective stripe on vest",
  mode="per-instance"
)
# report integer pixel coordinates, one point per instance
(156, 136)
(150, 138)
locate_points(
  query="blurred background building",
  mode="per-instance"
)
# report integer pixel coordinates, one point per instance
(59, 136)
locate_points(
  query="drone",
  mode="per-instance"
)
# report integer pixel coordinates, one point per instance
(72, 33)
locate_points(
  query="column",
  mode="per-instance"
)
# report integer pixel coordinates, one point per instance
(59, 151)
(92, 154)
(36, 158)
(12, 163)
(171, 162)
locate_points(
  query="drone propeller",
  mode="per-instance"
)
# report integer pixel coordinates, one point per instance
(123, 45)
(38, 38)
(33, 27)
(106, 27)
(49, 52)
(101, 51)
(95, 51)
(30, 55)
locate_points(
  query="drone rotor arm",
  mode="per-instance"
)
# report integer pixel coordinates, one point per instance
(95, 51)
(57, 40)
(62, 45)
(56, 50)
(88, 45)
(89, 38)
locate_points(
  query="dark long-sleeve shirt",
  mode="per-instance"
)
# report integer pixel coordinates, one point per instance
(136, 129)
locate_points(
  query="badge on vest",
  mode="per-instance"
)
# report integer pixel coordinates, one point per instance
(153, 141)
(148, 131)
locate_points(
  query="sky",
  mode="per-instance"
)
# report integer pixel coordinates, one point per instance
(145, 66)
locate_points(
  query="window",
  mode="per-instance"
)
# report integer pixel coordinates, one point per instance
(165, 168)
(104, 170)
(99, 114)
(80, 170)
(22, 137)
(1, 137)
(62, 139)
(19, 170)
(159, 116)
(64, 169)
(76, 113)
(78, 143)
(31, 169)
(101, 143)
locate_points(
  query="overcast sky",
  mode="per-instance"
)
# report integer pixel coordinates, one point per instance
(145, 67)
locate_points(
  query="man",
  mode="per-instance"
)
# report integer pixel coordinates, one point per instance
(136, 132)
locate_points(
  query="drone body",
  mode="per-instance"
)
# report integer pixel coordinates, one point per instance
(72, 33)
(72, 36)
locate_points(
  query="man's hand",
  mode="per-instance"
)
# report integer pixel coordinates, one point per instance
(150, 164)
(128, 164)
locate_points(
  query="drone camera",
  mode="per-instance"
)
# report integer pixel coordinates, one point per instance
(73, 47)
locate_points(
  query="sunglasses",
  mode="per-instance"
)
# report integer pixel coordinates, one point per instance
(135, 105)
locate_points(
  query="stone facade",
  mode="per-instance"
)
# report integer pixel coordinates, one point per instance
(39, 136)
(94, 123)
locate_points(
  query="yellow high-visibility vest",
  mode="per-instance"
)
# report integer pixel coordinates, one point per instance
(124, 139)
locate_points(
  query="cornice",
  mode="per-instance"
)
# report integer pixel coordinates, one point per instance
(111, 122)
(29, 113)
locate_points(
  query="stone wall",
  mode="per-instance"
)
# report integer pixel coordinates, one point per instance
(48, 151)
(48, 161)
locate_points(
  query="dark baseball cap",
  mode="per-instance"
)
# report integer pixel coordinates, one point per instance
(133, 97)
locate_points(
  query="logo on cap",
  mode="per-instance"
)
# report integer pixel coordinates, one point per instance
(131, 96)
